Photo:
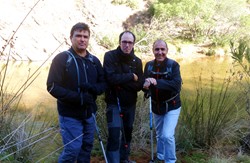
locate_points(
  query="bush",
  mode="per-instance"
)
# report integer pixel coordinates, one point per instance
(107, 42)
(134, 4)
(206, 113)
(201, 20)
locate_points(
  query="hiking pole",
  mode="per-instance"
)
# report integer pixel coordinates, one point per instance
(151, 128)
(99, 137)
(122, 126)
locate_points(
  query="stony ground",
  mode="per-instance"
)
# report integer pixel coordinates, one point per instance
(36, 29)
(48, 24)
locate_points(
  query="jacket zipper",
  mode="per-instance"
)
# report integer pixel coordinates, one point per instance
(157, 93)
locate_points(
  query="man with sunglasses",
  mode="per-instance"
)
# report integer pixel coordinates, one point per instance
(123, 72)
(163, 83)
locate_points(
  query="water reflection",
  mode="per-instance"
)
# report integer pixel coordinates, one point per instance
(36, 94)
(17, 74)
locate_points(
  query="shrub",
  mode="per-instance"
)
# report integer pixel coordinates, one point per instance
(108, 42)
(134, 4)
(201, 20)
(204, 114)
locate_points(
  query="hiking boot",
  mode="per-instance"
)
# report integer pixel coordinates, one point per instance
(158, 160)
(127, 161)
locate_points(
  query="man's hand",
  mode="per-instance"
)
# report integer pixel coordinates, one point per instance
(148, 82)
(87, 99)
(135, 77)
(87, 87)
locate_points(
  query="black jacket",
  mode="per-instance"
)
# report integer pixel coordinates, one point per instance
(64, 84)
(168, 86)
(119, 69)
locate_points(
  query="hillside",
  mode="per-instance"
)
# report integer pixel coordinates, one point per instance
(49, 23)
(40, 28)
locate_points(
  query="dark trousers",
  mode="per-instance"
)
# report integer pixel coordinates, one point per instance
(117, 148)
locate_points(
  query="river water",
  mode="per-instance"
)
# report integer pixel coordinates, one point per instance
(36, 94)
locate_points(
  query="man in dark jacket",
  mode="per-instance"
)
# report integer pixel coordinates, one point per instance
(75, 79)
(123, 72)
(163, 81)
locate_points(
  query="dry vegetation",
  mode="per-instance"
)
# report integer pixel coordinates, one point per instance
(47, 27)
(49, 24)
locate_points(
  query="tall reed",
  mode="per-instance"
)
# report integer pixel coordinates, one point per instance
(204, 115)
(21, 131)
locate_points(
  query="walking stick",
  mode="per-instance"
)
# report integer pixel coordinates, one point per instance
(151, 129)
(99, 137)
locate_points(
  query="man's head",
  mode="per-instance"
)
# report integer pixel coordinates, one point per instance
(79, 36)
(160, 50)
(126, 41)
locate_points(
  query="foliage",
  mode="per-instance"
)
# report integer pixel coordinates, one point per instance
(21, 135)
(107, 42)
(202, 118)
(202, 20)
(21, 130)
(240, 50)
(200, 157)
(147, 35)
(243, 159)
(134, 4)
(212, 108)
(142, 38)
(141, 131)
(210, 52)
(241, 54)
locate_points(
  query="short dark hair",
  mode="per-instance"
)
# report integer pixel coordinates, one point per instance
(120, 37)
(79, 26)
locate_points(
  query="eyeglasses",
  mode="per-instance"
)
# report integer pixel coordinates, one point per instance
(127, 42)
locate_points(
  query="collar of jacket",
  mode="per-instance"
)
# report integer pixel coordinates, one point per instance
(161, 65)
(87, 57)
(125, 57)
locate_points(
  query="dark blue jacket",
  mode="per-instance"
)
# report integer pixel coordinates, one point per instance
(64, 83)
(168, 85)
(119, 69)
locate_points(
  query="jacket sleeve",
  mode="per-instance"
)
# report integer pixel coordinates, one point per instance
(135, 85)
(114, 78)
(145, 72)
(55, 81)
(100, 86)
(174, 84)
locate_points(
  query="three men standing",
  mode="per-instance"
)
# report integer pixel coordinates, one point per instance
(77, 77)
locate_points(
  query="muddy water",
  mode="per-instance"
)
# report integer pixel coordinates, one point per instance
(17, 74)
(37, 95)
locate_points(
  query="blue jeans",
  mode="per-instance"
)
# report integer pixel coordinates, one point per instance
(116, 149)
(78, 138)
(165, 130)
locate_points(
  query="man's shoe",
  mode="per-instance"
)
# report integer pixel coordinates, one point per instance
(158, 160)
(127, 161)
